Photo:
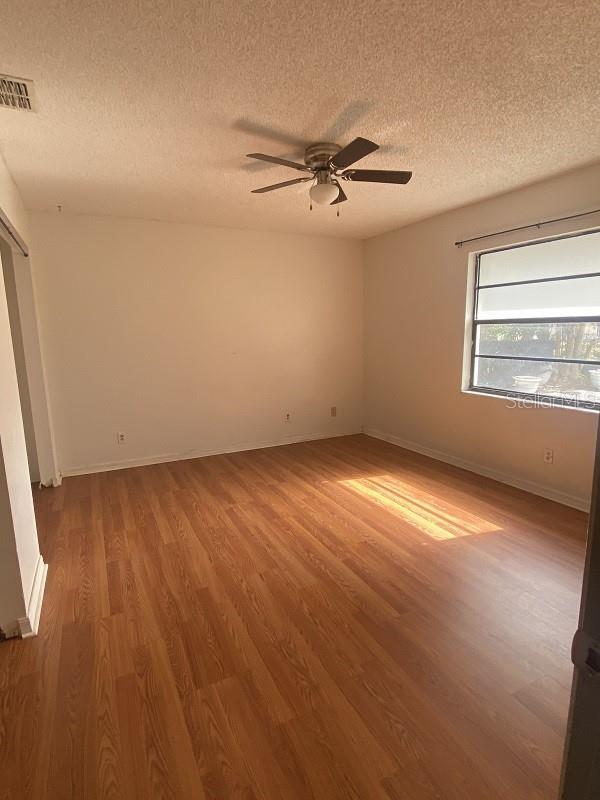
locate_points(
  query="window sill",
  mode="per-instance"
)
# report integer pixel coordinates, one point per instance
(527, 401)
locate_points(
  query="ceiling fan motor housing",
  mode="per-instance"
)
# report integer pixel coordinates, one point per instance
(317, 155)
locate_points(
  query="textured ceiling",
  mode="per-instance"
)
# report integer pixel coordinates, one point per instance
(146, 109)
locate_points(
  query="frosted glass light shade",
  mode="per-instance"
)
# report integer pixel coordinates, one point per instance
(324, 193)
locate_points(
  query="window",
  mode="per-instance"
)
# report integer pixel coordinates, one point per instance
(536, 321)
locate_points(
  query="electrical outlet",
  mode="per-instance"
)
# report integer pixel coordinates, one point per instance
(287, 417)
(548, 456)
(334, 411)
(121, 437)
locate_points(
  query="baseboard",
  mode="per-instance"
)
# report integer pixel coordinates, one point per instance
(29, 625)
(580, 503)
(237, 448)
(51, 483)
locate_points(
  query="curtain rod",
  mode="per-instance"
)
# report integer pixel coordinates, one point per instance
(5, 224)
(525, 227)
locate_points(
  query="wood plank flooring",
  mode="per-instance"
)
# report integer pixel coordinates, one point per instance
(334, 619)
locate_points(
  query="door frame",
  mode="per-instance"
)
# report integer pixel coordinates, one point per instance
(13, 254)
(580, 777)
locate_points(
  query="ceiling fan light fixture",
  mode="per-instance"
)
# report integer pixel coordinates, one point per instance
(324, 193)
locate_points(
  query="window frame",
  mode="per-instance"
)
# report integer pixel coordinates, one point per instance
(536, 399)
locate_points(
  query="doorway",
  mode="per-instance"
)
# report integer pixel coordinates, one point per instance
(22, 312)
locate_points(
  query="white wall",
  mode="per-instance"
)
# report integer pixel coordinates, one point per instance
(415, 305)
(193, 340)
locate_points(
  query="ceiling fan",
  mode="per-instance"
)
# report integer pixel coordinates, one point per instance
(329, 163)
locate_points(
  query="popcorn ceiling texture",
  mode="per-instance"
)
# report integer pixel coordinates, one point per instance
(146, 109)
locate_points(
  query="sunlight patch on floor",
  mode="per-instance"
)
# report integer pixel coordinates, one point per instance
(434, 517)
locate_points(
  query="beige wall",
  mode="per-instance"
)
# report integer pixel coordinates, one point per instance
(193, 340)
(415, 305)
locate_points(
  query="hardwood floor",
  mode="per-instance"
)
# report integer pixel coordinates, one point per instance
(335, 619)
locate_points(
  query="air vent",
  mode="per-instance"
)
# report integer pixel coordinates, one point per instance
(16, 93)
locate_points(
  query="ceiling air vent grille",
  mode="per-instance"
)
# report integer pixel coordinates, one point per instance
(16, 93)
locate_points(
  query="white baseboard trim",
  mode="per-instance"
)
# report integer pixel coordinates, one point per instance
(51, 483)
(29, 625)
(236, 448)
(580, 503)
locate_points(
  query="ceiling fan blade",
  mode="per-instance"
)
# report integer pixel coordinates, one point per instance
(377, 175)
(281, 185)
(283, 161)
(353, 152)
(341, 196)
